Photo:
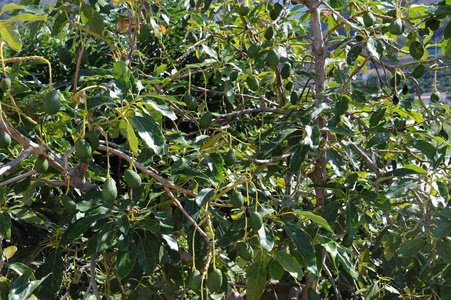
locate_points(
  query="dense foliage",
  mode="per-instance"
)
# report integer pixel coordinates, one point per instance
(208, 149)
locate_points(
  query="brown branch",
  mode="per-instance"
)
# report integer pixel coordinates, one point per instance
(8, 166)
(227, 118)
(180, 207)
(160, 179)
(18, 177)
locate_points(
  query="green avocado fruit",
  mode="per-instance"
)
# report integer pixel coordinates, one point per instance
(244, 9)
(252, 83)
(245, 251)
(51, 102)
(5, 82)
(436, 97)
(396, 27)
(253, 50)
(64, 55)
(256, 221)
(5, 140)
(205, 120)
(83, 150)
(368, 19)
(195, 281)
(109, 190)
(418, 72)
(214, 281)
(42, 164)
(273, 58)
(92, 137)
(236, 199)
(190, 101)
(269, 33)
(285, 72)
(230, 157)
(132, 179)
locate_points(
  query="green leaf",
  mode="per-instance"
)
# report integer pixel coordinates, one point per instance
(277, 140)
(147, 252)
(256, 275)
(5, 225)
(314, 217)
(352, 218)
(411, 247)
(77, 229)
(312, 136)
(341, 106)
(54, 267)
(376, 117)
(204, 196)
(373, 292)
(150, 132)
(21, 292)
(298, 157)
(339, 76)
(340, 131)
(303, 245)
(132, 140)
(159, 105)
(426, 148)
(353, 54)
(347, 265)
(209, 51)
(276, 270)
(337, 162)
(10, 35)
(446, 47)
(447, 31)
(266, 237)
(375, 47)
(416, 50)
(26, 17)
(10, 6)
(229, 91)
(440, 11)
(377, 139)
(399, 188)
(125, 262)
(90, 17)
(215, 165)
(290, 264)
(119, 68)
(442, 230)
(444, 250)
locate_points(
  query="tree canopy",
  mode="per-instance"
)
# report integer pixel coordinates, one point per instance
(225, 149)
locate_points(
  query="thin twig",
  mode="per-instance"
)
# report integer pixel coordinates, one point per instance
(7, 167)
(18, 177)
(93, 282)
(180, 207)
(160, 179)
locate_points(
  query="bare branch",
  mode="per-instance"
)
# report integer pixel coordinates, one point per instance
(180, 207)
(7, 167)
(18, 177)
(160, 179)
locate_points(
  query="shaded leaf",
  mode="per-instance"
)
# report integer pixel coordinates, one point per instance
(290, 264)
(204, 196)
(399, 188)
(411, 247)
(303, 245)
(5, 225)
(256, 275)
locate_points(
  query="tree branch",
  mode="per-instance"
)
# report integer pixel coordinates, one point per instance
(7, 167)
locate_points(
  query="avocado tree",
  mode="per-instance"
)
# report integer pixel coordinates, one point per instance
(224, 149)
